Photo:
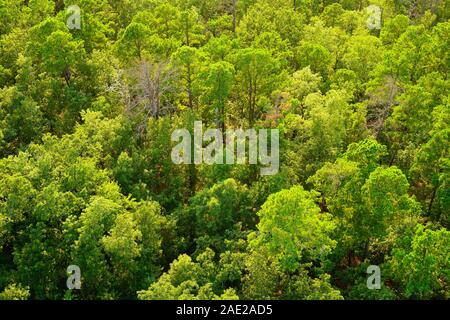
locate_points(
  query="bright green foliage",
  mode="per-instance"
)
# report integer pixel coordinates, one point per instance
(77, 216)
(15, 292)
(431, 167)
(423, 267)
(362, 55)
(267, 279)
(21, 119)
(188, 280)
(262, 18)
(217, 85)
(325, 126)
(282, 250)
(257, 74)
(134, 41)
(87, 178)
(303, 82)
(188, 60)
(59, 53)
(371, 201)
(317, 57)
(283, 218)
(215, 212)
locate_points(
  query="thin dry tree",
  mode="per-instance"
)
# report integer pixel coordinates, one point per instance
(147, 89)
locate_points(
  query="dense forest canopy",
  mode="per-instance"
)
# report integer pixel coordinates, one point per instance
(88, 107)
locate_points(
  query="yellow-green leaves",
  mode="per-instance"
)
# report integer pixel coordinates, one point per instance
(293, 228)
(423, 268)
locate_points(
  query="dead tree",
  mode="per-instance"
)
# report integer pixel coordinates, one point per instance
(147, 90)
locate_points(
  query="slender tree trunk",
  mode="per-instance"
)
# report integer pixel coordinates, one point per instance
(366, 249)
(157, 92)
(186, 33)
(59, 6)
(234, 16)
(433, 195)
(189, 88)
(253, 108)
(250, 101)
(391, 161)
(412, 9)
(349, 258)
(192, 178)
(67, 75)
(192, 172)
(223, 117)
(221, 110)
